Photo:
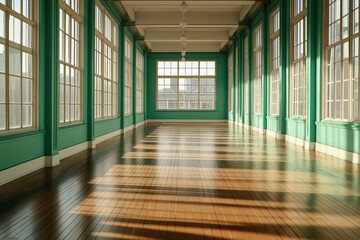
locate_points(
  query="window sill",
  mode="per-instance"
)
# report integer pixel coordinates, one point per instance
(71, 125)
(19, 134)
(296, 119)
(339, 124)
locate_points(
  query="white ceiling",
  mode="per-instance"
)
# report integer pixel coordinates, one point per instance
(210, 23)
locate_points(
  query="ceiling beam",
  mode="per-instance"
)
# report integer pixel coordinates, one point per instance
(171, 36)
(190, 47)
(192, 19)
(225, 2)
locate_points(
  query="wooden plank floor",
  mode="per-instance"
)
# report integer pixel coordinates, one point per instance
(187, 181)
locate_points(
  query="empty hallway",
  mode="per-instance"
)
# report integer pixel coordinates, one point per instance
(187, 181)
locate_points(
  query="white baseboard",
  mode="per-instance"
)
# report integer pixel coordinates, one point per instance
(309, 145)
(337, 152)
(246, 126)
(127, 129)
(258, 130)
(187, 120)
(294, 140)
(139, 124)
(22, 169)
(276, 135)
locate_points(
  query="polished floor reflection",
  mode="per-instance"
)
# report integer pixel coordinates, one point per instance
(187, 181)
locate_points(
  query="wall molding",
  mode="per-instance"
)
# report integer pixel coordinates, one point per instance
(295, 140)
(258, 130)
(22, 169)
(338, 152)
(187, 121)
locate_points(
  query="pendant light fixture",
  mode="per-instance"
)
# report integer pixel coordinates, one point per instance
(183, 9)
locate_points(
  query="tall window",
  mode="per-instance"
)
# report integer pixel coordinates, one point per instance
(258, 72)
(341, 84)
(17, 65)
(128, 77)
(231, 81)
(274, 62)
(186, 85)
(246, 76)
(298, 54)
(106, 77)
(70, 61)
(236, 81)
(139, 81)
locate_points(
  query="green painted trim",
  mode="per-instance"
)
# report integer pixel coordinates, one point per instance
(311, 67)
(266, 71)
(241, 77)
(112, 10)
(49, 43)
(284, 62)
(121, 74)
(296, 119)
(89, 68)
(250, 65)
(134, 81)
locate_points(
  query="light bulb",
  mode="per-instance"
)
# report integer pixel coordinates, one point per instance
(183, 38)
(183, 24)
(183, 52)
(183, 59)
(183, 7)
(183, 44)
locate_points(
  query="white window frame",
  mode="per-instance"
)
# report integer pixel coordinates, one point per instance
(31, 21)
(258, 76)
(345, 79)
(298, 103)
(128, 79)
(274, 62)
(178, 77)
(106, 102)
(75, 87)
(231, 81)
(139, 82)
(246, 75)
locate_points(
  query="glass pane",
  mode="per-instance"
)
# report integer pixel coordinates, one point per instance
(16, 5)
(27, 65)
(14, 61)
(15, 116)
(27, 116)
(2, 88)
(27, 91)
(2, 23)
(26, 31)
(14, 90)
(14, 30)
(2, 117)
(2, 58)
(26, 8)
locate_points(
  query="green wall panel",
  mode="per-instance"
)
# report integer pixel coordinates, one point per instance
(72, 135)
(221, 87)
(257, 120)
(340, 135)
(139, 117)
(21, 148)
(296, 127)
(128, 120)
(273, 123)
(107, 126)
